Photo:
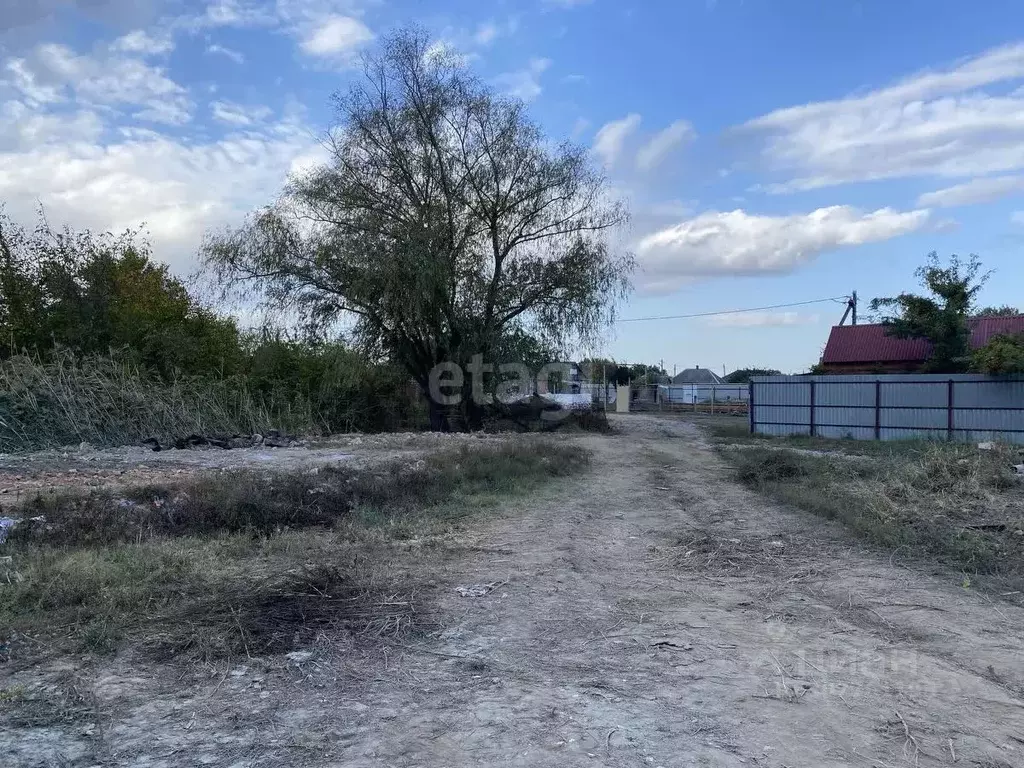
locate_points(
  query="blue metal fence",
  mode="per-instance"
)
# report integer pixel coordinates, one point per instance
(965, 407)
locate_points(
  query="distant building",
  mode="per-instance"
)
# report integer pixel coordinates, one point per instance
(868, 349)
(697, 375)
(567, 380)
(700, 385)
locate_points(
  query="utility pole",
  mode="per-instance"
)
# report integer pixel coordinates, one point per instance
(851, 307)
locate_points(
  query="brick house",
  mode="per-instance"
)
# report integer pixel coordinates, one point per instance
(867, 348)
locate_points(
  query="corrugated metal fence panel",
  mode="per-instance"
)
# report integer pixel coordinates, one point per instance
(914, 409)
(844, 408)
(993, 393)
(781, 405)
(986, 410)
(894, 407)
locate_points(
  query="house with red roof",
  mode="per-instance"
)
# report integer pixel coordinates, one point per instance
(867, 348)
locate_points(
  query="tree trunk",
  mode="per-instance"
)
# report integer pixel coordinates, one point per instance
(473, 415)
(438, 416)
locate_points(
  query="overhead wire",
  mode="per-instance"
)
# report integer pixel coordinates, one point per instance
(734, 311)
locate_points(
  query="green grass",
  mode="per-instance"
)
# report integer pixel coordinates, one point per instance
(725, 430)
(929, 502)
(107, 401)
(245, 563)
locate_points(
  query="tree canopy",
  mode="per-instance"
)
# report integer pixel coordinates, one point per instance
(1002, 355)
(443, 221)
(941, 316)
(743, 375)
(1001, 311)
(93, 293)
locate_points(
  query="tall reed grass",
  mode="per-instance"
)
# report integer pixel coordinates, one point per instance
(105, 401)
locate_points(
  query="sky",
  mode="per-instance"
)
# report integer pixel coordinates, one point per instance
(770, 152)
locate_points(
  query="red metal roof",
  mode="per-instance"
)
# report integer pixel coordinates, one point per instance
(870, 344)
(984, 328)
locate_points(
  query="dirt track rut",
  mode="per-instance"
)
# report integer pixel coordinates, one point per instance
(653, 613)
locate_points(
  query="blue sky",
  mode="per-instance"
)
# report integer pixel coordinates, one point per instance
(771, 152)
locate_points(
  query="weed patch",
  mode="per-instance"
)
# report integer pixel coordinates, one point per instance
(244, 563)
(262, 503)
(950, 503)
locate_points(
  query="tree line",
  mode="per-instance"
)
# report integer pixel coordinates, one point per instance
(444, 225)
(79, 295)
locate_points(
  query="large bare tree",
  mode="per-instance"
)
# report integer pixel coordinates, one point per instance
(443, 220)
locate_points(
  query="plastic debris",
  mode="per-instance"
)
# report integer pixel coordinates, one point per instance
(298, 657)
(477, 590)
(987, 446)
(8, 523)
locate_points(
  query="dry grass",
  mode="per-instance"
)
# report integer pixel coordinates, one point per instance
(726, 431)
(951, 503)
(104, 401)
(241, 563)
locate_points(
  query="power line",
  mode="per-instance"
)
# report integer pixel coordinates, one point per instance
(733, 311)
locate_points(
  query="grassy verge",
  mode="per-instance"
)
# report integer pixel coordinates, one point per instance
(246, 563)
(106, 401)
(729, 431)
(942, 502)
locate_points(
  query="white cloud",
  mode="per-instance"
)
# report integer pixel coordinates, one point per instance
(20, 77)
(229, 53)
(580, 127)
(762, 320)
(325, 29)
(524, 83)
(232, 13)
(335, 36)
(232, 113)
(486, 33)
(662, 143)
(55, 73)
(612, 137)
(177, 189)
(740, 243)
(166, 112)
(930, 124)
(143, 43)
(22, 128)
(983, 190)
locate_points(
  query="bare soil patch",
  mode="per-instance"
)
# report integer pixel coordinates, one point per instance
(651, 612)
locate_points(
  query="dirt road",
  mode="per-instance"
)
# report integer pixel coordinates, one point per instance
(652, 613)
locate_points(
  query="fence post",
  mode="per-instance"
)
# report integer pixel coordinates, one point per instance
(712, 399)
(750, 406)
(878, 409)
(949, 412)
(811, 420)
